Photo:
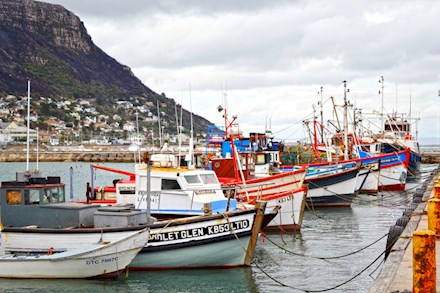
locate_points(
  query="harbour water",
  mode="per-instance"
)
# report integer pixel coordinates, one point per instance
(336, 248)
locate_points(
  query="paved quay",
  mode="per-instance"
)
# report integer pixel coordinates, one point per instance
(397, 272)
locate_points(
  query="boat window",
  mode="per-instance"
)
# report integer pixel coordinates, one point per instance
(57, 194)
(47, 195)
(262, 159)
(13, 197)
(209, 178)
(32, 196)
(192, 179)
(170, 184)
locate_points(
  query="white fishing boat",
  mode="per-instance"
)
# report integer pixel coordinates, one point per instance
(176, 192)
(211, 241)
(334, 188)
(330, 185)
(214, 240)
(99, 259)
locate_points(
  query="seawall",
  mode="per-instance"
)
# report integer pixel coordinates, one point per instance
(107, 154)
(431, 157)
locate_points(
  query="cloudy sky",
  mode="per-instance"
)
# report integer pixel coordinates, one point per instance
(271, 58)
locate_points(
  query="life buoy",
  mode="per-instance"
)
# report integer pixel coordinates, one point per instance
(408, 137)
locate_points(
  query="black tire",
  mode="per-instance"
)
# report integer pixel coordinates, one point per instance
(402, 221)
(408, 211)
(419, 191)
(393, 235)
(417, 199)
(414, 205)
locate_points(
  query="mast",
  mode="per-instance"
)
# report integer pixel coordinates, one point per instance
(410, 123)
(381, 108)
(322, 117)
(345, 122)
(315, 138)
(191, 139)
(38, 149)
(158, 121)
(28, 123)
(180, 131)
(336, 113)
(138, 137)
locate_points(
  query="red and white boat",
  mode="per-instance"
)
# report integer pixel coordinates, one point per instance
(284, 189)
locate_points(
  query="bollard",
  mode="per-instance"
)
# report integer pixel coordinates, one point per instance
(434, 215)
(424, 266)
(437, 191)
(207, 209)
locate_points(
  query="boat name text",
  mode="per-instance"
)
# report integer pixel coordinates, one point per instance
(100, 261)
(197, 232)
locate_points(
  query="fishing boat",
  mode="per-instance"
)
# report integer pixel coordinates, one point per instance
(177, 193)
(397, 136)
(285, 190)
(94, 260)
(393, 165)
(36, 217)
(335, 188)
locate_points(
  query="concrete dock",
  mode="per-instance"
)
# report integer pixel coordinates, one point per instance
(397, 272)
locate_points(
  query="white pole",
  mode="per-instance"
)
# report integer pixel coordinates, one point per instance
(28, 123)
(158, 121)
(381, 109)
(345, 122)
(191, 141)
(38, 149)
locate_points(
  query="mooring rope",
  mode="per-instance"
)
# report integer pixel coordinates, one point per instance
(321, 290)
(326, 258)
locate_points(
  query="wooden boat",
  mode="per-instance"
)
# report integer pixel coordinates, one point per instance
(397, 136)
(176, 193)
(283, 189)
(211, 241)
(332, 188)
(99, 259)
(393, 168)
(215, 240)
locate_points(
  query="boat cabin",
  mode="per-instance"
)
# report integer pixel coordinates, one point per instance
(40, 201)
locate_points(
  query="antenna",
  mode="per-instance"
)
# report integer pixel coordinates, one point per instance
(381, 80)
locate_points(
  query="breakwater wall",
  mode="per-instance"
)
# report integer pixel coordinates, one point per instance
(114, 156)
(431, 158)
(14, 156)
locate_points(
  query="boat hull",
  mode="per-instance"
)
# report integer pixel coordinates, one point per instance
(230, 230)
(333, 189)
(393, 171)
(86, 262)
(290, 215)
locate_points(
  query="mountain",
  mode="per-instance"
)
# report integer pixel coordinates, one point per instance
(50, 46)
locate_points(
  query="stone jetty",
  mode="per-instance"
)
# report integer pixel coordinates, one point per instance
(70, 154)
(431, 157)
(105, 154)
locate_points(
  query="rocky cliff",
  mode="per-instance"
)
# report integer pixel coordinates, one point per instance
(50, 46)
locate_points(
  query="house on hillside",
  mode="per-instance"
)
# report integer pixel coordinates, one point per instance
(17, 132)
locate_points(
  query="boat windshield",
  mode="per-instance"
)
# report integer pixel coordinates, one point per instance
(209, 178)
(192, 179)
(54, 194)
